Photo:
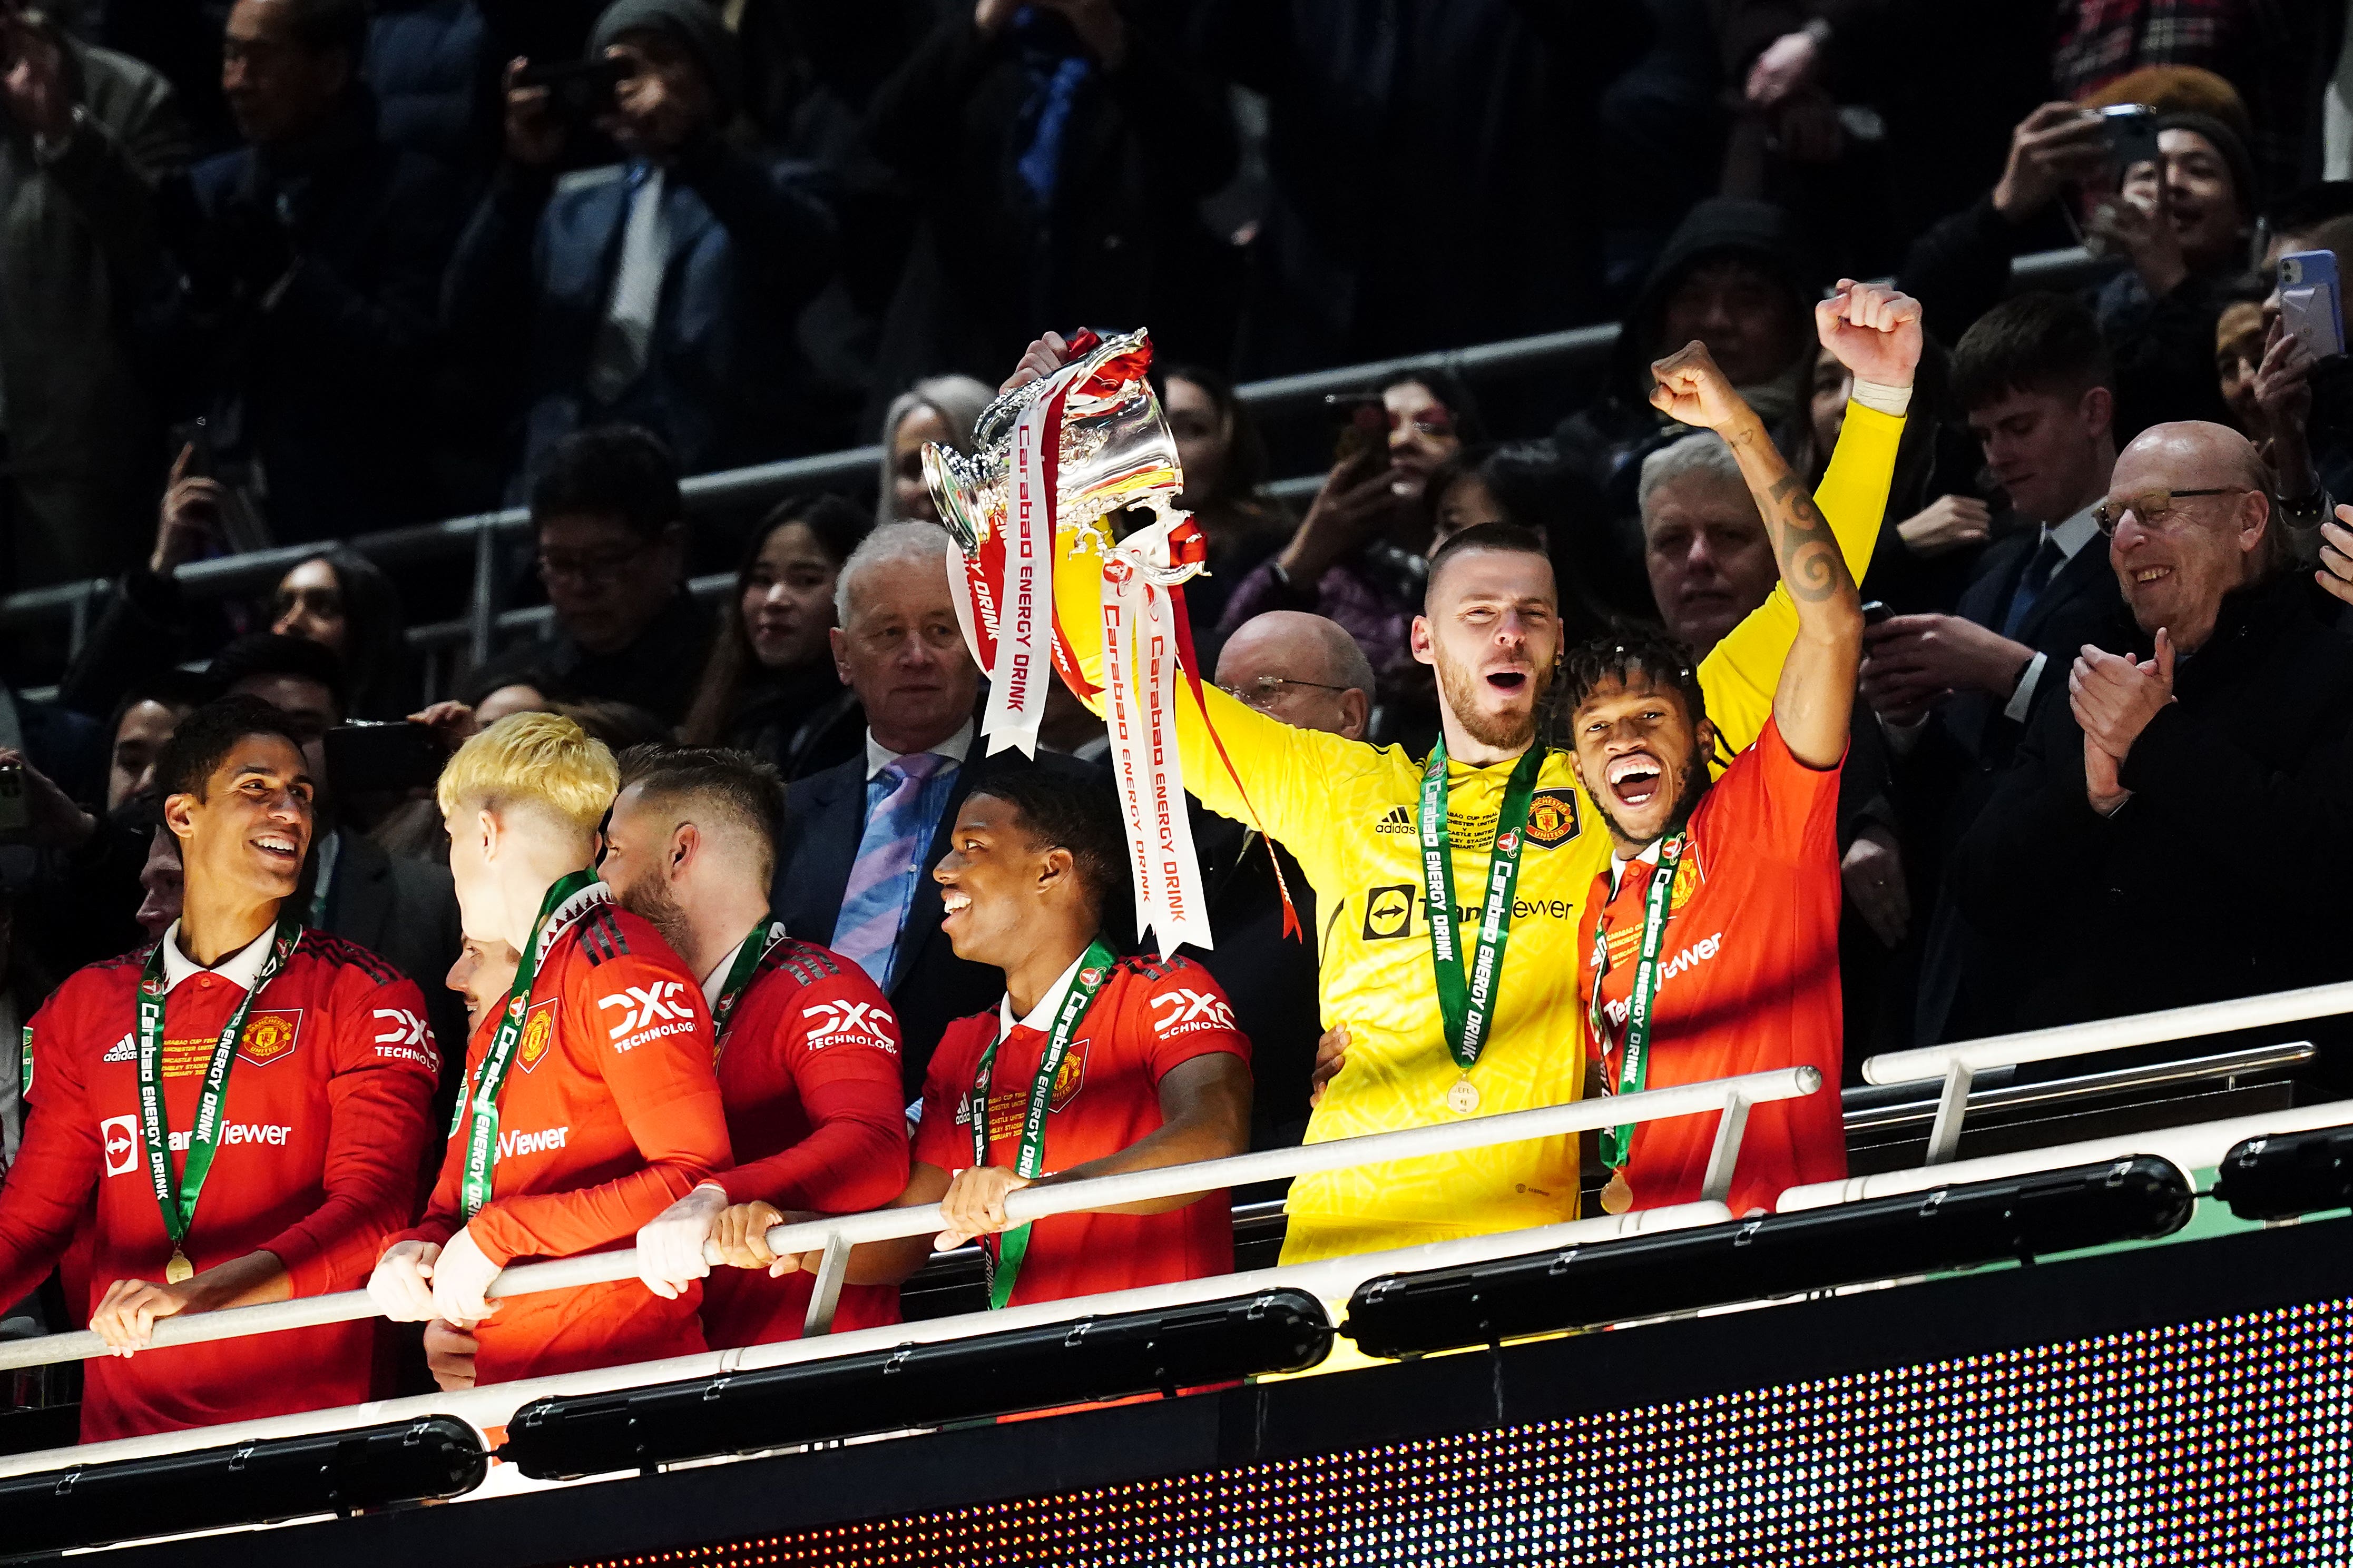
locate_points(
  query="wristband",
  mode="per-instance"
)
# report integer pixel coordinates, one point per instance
(1888, 400)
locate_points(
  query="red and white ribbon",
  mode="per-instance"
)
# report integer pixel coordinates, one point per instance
(1140, 682)
(1022, 671)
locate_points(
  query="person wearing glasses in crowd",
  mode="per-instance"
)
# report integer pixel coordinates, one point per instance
(612, 539)
(2224, 695)
(1515, 847)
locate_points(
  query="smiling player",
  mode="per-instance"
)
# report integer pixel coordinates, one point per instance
(1712, 937)
(1091, 1066)
(295, 1074)
(1480, 857)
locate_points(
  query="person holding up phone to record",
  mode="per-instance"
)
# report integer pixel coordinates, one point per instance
(1358, 556)
(659, 289)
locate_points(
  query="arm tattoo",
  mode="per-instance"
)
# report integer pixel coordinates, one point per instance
(1803, 543)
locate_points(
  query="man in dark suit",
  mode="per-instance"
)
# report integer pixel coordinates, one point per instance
(403, 911)
(2201, 769)
(860, 838)
(1957, 692)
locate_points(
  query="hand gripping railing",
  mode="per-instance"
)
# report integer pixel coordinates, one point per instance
(1959, 1063)
(836, 1236)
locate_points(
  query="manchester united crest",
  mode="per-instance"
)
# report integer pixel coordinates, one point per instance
(1552, 818)
(270, 1036)
(1069, 1076)
(538, 1034)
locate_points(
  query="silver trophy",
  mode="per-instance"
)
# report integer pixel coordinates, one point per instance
(1117, 451)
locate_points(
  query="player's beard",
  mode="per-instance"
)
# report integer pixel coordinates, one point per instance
(650, 899)
(1461, 688)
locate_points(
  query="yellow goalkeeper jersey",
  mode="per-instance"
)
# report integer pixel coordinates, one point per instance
(1346, 812)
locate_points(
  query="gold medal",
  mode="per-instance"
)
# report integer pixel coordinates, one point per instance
(1463, 1098)
(179, 1272)
(1617, 1197)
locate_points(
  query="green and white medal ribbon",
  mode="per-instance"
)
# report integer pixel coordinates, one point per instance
(177, 1195)
(1466, 1005)
(751, 961)
(1634, 1068)
(570, 898)
(1003, 1261)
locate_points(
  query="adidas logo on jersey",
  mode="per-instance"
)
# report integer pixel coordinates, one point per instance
(1395, 819)
(122, 1050)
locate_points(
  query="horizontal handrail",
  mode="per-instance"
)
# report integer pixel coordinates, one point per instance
(2192, 1147)
(2112, 1034)
(1883, 1114)
(490, 1406)
(1572, 349)
(836, 1234)
(1959, 1062)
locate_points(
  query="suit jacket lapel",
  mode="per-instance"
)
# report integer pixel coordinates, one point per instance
(2082, 571)
(828, 848)
(923, 911)
(1987, 594)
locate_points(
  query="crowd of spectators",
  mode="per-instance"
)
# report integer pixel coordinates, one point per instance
(290, 272)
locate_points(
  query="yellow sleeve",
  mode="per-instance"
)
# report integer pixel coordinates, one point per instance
(1739, 675)
(1288, 773)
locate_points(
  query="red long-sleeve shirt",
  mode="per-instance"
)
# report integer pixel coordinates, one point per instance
(326, 1117)
(811, 1077)
(609, 1115)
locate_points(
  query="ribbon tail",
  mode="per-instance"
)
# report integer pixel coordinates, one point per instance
(1191, 663)
(1183, 907)
(1123, 725)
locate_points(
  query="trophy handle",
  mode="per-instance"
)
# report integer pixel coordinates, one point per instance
(950, 479)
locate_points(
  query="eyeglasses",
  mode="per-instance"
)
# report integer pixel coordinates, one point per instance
(1263, 691)
(600, 570)
(2150, 506)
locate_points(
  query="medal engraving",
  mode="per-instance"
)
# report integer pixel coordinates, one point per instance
(1463, 1098)
(179, 1272)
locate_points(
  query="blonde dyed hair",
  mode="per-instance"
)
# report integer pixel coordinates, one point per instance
(541, 760)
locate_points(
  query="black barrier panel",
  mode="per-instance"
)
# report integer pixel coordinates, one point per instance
(1077, 1363)
(252, 1483)
(1781, 1255)
(2224, 1441)
(2293, 1174)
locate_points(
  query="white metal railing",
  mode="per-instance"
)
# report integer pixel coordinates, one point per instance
(480, 533)
(490, 1406)
(1959, 1063)
(835, 1236)
(2198, 1146)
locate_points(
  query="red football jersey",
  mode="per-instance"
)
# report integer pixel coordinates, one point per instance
(810, 1078)
(1148, 1018)
(1748, 978)
(609, 1115)
(325, 1118)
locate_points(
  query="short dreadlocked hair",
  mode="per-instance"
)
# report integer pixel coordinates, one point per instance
(1625, 658)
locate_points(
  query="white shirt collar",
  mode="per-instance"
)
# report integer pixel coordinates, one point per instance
(240, 969)
(1041, 1017)
(2072, 535)
(955, 749)
(712, 981)
(1618, 863)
